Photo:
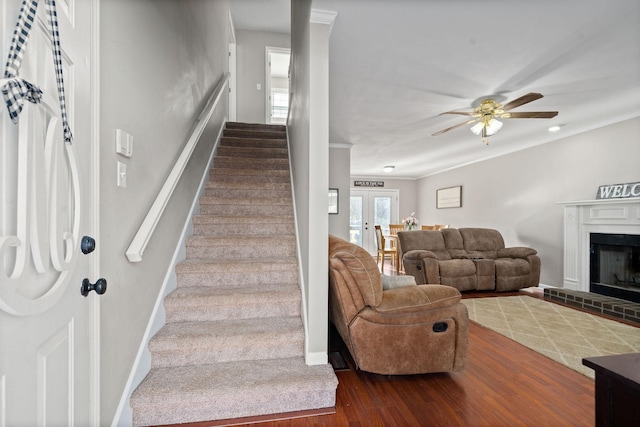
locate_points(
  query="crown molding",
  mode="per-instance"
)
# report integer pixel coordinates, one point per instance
(326, 17)
(340, 145)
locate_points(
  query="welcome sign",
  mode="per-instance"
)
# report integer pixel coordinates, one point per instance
(619, 191)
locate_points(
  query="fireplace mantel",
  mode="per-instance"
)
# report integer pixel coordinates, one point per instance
(615, 216)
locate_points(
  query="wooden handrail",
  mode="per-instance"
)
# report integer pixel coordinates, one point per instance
(143, 235)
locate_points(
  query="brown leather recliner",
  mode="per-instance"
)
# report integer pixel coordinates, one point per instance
(407, 330)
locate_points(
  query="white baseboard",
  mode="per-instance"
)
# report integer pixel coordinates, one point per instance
(316, 358)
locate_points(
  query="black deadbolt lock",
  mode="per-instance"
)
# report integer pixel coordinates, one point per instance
(87, 245)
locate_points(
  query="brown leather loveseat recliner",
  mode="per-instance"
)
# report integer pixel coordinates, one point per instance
(468, 259)
(407, 330)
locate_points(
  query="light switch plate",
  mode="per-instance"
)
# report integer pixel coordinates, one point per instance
(122, 175)
(124, 143)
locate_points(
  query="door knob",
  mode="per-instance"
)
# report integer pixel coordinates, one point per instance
(100, 287)
(87, 245)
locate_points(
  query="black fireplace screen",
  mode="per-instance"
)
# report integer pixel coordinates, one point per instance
(615, 265)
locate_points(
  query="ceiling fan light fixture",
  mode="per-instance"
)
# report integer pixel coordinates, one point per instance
(388, 169)
(493, 127)
(555, 128)
(477, 128)
(483, 116)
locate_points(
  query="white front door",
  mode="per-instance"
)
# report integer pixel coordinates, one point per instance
(368, 209)
(48, 192)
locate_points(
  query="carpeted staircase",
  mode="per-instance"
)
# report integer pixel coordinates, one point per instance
(233, 344)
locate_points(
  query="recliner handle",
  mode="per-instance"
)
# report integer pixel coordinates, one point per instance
(440, 327)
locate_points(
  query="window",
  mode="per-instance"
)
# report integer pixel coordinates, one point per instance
(279, 104)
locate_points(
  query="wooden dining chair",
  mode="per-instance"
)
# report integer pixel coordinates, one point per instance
(395, 243)
(394, 228)
(441, 226)
(383, 251)
(429, 227)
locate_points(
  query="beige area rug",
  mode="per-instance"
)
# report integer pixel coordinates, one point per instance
(560, 333)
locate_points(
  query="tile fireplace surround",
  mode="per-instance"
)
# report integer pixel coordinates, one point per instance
(612, 216)
(614, 307)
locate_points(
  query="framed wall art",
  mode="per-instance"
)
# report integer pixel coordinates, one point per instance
(450, 197)
(333, 201)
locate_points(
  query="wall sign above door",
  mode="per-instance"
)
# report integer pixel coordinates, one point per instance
(619, 191)
(368, 183)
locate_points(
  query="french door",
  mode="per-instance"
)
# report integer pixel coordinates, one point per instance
(368, 209)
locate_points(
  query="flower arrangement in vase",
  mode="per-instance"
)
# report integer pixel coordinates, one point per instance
(410, 222)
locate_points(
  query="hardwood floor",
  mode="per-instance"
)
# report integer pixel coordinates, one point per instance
(503, 384)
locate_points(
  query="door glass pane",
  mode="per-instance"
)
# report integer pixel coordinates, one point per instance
(355, 220)
(382, 212)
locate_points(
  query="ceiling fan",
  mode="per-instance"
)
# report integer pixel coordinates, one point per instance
(486, 114)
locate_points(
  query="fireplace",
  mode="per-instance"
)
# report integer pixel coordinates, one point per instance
(615, 265)
(606, 221)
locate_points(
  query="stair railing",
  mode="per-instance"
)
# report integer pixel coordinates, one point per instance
(143, 235)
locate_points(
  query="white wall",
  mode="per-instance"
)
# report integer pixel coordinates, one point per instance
(309, 142)
(251, 69)
(160, 60)
(518, 193)
(339, 168)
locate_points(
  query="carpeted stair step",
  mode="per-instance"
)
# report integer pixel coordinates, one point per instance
(251, 173)
(284, 201)
(252, 152)
(247, 209)
(278, 178)
(250, 163)
(230, 141)
(215, 272)
(232, 390)
(236, 247)
(249, 176)
(255, 133)
(207, 303)
(226, 341)
(256, 126)
(260, 185)
(248, 193)
(233, 344)
(216, 225)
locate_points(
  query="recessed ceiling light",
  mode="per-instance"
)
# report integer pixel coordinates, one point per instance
(555, 128)
(388, 169)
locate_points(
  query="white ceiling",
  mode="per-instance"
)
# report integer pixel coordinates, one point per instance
(394, 66)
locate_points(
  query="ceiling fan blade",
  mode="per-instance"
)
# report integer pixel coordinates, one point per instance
(454, 127)
(533, 115)
(462, 113)
(525, 99)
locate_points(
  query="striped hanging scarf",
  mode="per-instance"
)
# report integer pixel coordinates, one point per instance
(14, 89)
